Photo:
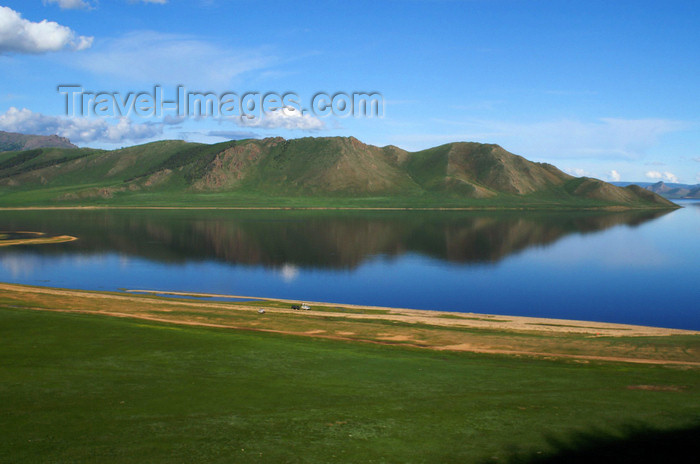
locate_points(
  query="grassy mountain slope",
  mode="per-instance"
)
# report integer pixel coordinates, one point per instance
(310, 166)
(325, 171)
(480, 171)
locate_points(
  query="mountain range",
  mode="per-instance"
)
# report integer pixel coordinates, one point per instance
(668, 190)
(675, 191)
(11, 141)
(305, 172)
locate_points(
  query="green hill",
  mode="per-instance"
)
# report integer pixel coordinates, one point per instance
(306, 172)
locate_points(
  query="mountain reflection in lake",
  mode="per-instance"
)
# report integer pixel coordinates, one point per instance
(608, 266)
(320, 240)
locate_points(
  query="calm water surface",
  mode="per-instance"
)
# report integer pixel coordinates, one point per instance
(639, 268)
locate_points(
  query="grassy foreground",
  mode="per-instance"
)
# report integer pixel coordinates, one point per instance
(90, 388)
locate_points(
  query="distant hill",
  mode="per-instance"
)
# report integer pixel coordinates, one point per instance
(324, 171)
(11, 141)
(675, 191)
(668, 190)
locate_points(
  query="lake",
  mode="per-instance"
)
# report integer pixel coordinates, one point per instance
(626, 267)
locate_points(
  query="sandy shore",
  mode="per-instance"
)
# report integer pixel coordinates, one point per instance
(454, 319)
(37, 238)
(579, 341)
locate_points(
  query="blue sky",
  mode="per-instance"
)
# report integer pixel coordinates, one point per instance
(604, 89)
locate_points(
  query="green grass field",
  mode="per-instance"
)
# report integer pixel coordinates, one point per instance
(88, 388)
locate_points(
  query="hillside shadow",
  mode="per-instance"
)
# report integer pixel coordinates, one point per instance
(636, 444)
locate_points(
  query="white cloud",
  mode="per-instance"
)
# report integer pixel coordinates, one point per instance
(289, 272)
(605, 138)
(20, 265)
(613, 175)
(578, 172)
(233, 135)
(158, 58)
(697, 159)
(22, 36)
(71, 4)
(170, 120)
(665, 176)
(78, 130)
(85, 5)
(286, 118)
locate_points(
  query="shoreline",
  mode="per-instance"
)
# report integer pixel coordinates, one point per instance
(611, 208)
(39, 238)
(576, 341)
(543, 324)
